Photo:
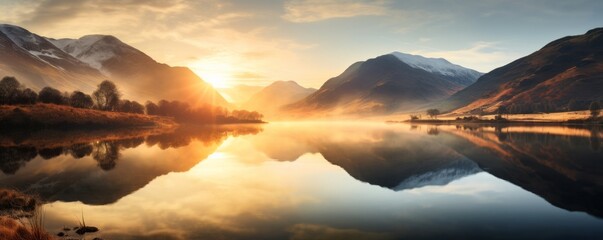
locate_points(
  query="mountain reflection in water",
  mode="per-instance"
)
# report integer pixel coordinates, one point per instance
(322, 181)
(108, 167)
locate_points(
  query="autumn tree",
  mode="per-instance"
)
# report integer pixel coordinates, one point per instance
(107, 96)
(9, 90)
(80, 100)
(27, 96)
(131, 107)
(137, 107)
(151, 108)
(50, 95)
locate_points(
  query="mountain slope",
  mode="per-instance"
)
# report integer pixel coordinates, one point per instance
(142, 76)
(570, 68)
(386, 84)
(80, 64)
(37, 63)
(240, 94)
(279, 93)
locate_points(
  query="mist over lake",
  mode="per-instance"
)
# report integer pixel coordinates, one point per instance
(345, 180)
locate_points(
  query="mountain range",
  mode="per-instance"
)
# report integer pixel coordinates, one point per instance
(388, 83)
(270, 99)
(81, 64)
(567, 70)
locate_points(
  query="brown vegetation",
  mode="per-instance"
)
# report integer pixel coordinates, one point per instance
(20, 217)
(57, 116)
(11, 229)
(107, 97)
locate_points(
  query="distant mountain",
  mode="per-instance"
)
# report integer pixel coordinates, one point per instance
(388, 83)
(37, 62)
(70, 64)
(278, 94)
(570, 68)
(240, 94)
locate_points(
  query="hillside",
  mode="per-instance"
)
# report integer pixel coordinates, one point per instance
(280, 93)
(387, 84)
(565, 70)
(239, 94)
(80, 64)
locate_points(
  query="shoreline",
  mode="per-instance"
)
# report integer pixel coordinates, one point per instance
(41, 116)
(504, 122)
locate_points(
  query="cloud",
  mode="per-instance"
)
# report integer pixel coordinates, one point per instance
(481, 56)
(300, 11)
(213, 37)
(54, 12)
(248, 75)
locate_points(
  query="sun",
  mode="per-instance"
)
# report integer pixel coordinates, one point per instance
(216, 79)
(216, 73)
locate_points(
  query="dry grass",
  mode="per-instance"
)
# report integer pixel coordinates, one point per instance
(21, 218)
(11, 229)
(50, 115)
(533, 117)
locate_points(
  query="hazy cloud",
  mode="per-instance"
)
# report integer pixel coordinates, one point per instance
(481, 56)
(318, 10)
(248, 75)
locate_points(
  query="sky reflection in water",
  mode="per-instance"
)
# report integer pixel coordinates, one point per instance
(333, 181)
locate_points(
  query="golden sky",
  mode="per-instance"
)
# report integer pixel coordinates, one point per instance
(309, 41)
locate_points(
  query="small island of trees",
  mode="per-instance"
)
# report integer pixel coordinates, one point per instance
(502, 115)
(108, 98)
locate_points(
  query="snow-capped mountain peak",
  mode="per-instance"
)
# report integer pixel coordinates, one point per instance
(436, 65)
(19, 36)
(42, 49)
(91, 49)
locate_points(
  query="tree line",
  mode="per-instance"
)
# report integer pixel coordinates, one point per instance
(107, 97)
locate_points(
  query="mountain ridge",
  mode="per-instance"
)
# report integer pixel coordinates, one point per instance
(80, 64)
(382, 85)
(563, 70)
(271, 98)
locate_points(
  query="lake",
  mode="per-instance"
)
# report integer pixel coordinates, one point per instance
(316, 180)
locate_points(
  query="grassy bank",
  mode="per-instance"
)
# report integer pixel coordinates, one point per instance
(41, 116)
(573, 117)
(598, 121)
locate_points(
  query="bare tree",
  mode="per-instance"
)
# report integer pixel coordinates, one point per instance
(107, 96)
(433, 113)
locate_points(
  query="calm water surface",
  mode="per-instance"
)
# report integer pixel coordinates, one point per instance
(317, 181)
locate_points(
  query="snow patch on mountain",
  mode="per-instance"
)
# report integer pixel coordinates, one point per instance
(440, 177)
(18, 35)
(90, 49)
(44, 53)
(436, 65)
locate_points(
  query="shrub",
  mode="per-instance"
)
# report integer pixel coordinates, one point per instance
(50, 95)
(80, 100)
